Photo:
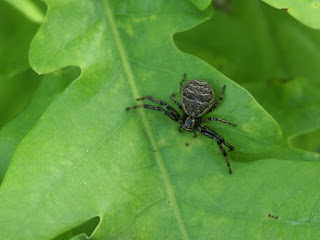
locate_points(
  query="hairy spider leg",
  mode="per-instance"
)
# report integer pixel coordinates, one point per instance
(167, 113)
(219, 100)
(176, 102)
(182, 80)
(213, 135)
(166, 105)
(205, 128)
(218, 119)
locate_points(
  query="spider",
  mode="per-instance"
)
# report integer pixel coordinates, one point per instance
(197, 99)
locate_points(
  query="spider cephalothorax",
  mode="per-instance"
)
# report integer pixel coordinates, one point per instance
(197, 98)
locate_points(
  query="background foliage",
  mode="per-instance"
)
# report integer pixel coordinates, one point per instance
(82, 167)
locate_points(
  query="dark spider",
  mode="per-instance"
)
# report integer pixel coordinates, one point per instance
(197, 99)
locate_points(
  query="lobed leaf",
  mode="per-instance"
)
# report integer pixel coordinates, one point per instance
(88, 157)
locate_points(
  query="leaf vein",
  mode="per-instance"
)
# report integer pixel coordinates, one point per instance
(134, 89)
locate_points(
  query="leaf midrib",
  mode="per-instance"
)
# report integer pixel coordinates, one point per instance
(125, 62)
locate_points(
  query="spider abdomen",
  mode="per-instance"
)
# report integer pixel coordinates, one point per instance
(197, 97)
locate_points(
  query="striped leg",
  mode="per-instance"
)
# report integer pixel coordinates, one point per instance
(213, 135)
(182, 80)
(224, 153)
(171, 110)
(218, 119)
(228, 145)
(169, 114)
(176, 102)
(219, 100)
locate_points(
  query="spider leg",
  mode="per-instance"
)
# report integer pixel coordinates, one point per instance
(213, 135)
(218, 137)
(195, 134)
(218, 119)
(183, 79)
(224, 153)
(176, 102)
(167, 113)
(219, 100)
(228, 145)
(179, 129)
(166, 105)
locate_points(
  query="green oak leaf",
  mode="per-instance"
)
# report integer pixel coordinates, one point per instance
(12, 133)
(307, 12)
(18, 83)
(87, 157)
(275, 57)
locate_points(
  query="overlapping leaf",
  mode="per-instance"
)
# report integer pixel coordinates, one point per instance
(11, 134)
(17, 80)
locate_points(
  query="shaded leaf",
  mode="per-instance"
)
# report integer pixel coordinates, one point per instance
(293, 102)
(12, 133)
(17, 80)
(308, 141)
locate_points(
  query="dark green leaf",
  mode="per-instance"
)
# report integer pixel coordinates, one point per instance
(17, 80)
